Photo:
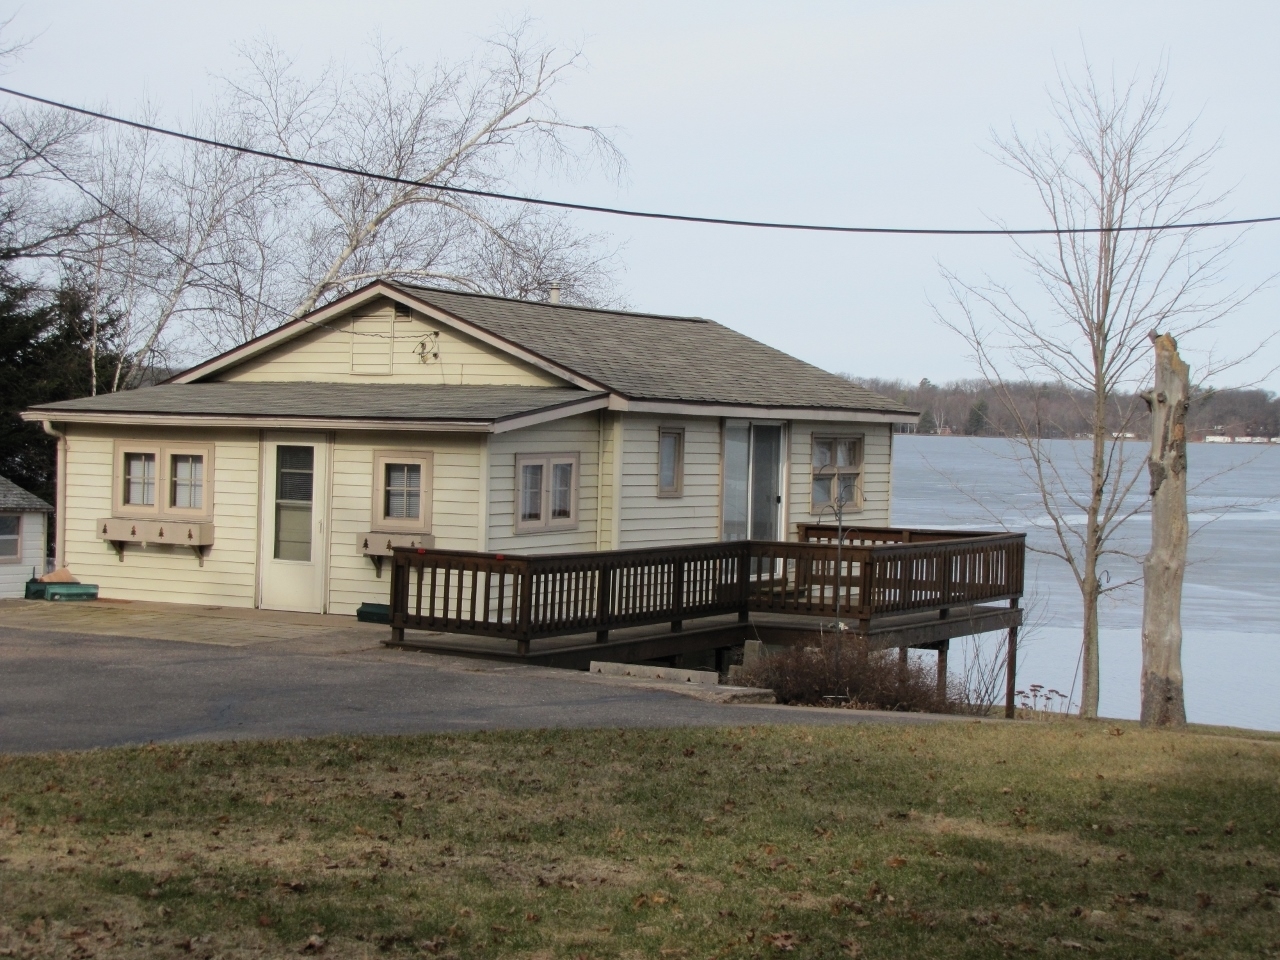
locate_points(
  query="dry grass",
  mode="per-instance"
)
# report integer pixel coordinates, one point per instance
(955, 840)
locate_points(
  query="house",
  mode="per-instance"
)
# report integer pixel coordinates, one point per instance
(23, 535)
(281, 473)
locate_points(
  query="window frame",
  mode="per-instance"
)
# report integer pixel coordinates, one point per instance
(21, 518)
(380, 522)
(678, 489)
(548, 462)
(163, 451)
(856, 470)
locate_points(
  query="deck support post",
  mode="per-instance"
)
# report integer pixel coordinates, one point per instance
(1011, 669)
(943, 649)
(604, 591)
(902, 667)
(677, 596)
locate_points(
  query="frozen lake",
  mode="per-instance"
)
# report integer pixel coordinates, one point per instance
(1231, 600)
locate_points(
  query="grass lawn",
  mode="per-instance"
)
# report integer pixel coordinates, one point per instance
(951, 840)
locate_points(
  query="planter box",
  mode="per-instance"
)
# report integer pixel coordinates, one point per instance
(70, 591)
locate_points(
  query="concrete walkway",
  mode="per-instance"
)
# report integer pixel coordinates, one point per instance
(81, 675)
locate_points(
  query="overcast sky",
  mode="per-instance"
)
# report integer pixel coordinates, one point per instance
(855, 112)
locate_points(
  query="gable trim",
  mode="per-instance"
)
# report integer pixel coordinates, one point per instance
(379, 288)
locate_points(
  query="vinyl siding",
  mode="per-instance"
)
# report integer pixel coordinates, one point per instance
(14, 574)
(361, 347)
(165, 573)
(875, 473)
(650, 520)
(578, 435)
(455, 503)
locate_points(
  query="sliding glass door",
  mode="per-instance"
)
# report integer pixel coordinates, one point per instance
(752, 493)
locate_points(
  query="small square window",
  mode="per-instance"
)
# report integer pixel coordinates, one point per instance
(186, 481)
(402, 490)
(547, 492)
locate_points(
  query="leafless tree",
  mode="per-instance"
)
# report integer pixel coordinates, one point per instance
(1112, 163)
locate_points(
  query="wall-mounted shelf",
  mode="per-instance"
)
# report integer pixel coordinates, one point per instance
(376, 545)
(120, 532)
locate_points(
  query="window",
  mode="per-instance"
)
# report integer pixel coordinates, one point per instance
(402, 491)
(140, 479)
(163, 480)
(295, 475)
(546, 492)
(186, 481)
(837, 473)
(670, 461)
(10, 538)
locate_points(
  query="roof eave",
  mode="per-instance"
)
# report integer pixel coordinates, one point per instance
(711, 408)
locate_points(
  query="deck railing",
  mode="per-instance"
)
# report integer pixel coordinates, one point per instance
(870, 574)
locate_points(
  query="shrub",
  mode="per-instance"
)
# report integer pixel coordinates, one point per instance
(842, 671)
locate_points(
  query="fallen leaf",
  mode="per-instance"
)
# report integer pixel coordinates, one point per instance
(314, 944)
(784, 940)
(895, 862)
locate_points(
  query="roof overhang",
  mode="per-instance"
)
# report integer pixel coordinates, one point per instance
(504, 424)
(685, 408)
(375, 290)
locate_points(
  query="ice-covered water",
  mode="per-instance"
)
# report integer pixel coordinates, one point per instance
(1231, 600)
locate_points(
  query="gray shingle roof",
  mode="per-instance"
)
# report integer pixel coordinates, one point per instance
(13, 497)
(644, 356)
(380, 401)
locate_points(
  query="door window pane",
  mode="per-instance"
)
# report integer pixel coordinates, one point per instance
(294, 479)
(531, 492)
(8, 537)
(766, 468)
(186, 485)
(561, 491)
(737, 469)
(140, 479)
(403, 495)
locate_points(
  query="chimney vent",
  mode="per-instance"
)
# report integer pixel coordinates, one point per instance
(554, 296)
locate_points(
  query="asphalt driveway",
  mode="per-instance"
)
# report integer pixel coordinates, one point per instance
(69, 689)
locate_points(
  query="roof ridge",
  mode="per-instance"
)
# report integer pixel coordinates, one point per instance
(543, 303)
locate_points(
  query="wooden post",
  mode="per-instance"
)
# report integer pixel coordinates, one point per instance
(525, 625)
(903, 653)
(399, 599)
(744, 582)
(943, 648)
(1164, 567)
(603, 595)
(1011, 674)
(677, 595)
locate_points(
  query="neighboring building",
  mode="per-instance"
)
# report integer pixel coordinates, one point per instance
(23, 535)
(280, 473)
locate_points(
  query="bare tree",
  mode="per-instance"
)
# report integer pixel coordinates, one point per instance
(1111, 165)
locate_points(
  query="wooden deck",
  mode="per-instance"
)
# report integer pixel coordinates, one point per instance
(893, 588)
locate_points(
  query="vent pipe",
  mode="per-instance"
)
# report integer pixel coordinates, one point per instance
(554, 295)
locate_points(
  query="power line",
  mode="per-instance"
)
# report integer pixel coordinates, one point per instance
(624, 212)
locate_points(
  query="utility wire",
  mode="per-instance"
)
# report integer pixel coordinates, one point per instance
(623, 212)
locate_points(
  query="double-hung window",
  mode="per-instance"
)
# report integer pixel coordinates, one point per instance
(10, 538)
(402, 491)
(163, 480)
(546, 492)
(837, 473)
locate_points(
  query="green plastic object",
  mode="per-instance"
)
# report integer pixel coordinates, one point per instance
(374, 613)
(35, 590)
(71, 591)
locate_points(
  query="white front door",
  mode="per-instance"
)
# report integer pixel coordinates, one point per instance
(294, 507)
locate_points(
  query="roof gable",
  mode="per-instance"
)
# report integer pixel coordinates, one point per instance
(13, 497)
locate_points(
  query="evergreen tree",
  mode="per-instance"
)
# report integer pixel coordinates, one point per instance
(977, 422)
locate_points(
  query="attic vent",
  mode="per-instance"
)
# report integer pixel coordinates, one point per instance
(553, 292)
(402, 310)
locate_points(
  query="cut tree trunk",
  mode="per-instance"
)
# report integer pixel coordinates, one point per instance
(1165, 565)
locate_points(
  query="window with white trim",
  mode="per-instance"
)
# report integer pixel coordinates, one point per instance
(139, 479)
(402, 491)
(546, 492)
(837, 473)
(10, 538)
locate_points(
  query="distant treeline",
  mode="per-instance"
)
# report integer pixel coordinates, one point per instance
(971, 408)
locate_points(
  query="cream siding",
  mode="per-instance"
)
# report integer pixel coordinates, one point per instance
(650, 520)
(455, 507)
(165, 573)
(875, 473)
(579, 435)
(371, 345)
(14, 574)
